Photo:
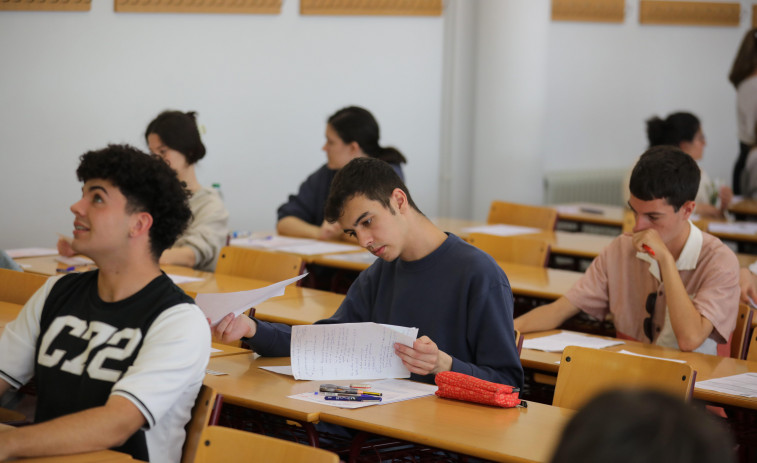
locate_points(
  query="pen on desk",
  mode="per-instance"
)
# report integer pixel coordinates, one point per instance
(649, 250)
(66, 270)
(377, 394)
(590, 210)
(352, 398)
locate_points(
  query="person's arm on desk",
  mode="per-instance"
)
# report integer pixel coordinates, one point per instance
(181, 255)
(265, 338)
(90, 430)
(689, 326)
(747, 286)
(546, 317)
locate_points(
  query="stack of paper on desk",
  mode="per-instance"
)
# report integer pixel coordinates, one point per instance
(744, 385)
(558, 342)
(218, 305)
(501, 230)
(303, 246)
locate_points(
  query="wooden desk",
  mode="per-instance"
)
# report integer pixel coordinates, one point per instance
(491, 433)
(299, 311)
(591, 213)
(102, 456)
(744, 207)
(486, 432)
(539, 282)
(706, 366)
(248, 386)
(225, 350)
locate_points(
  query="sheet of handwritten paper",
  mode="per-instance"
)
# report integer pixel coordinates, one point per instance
(349, 351)
(218, 305)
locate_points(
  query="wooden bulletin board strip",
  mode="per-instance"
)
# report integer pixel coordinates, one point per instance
(372, 7)
(45, 5)
(199, 6)
(609, 11)
(689, 13)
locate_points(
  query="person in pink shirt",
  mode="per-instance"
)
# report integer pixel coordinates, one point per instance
(667, 283)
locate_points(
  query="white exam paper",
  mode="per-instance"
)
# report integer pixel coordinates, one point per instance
(349, 351)
(392, 390)
(30, 252)
(744, 385)
(218, 305)
(501, 230)
(558, 342)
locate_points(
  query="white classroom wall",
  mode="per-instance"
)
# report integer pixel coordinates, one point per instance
(264, 85)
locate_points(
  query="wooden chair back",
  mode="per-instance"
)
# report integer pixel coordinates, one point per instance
(258, 264)
(516, 249)
(751, 353)
(18, 287)
(740, 336)
(12, 417)
(206, 410)
(524, 215)
(585, 372)
(226, 445)
(518, 341)
(629, 221)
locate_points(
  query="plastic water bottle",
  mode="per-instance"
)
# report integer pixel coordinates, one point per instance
(217, 187)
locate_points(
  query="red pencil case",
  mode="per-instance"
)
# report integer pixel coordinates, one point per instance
(458, 386)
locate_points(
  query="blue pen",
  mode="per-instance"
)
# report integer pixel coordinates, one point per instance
(66, 270)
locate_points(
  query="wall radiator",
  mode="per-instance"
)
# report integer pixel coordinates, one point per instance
(595, 186)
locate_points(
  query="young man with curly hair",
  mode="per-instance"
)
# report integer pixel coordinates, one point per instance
(118, 353)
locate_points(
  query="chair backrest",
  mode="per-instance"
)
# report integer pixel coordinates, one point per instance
(518, 341)
(206, 410)
(740, 336)
(629, 221)
(516, 249)
(751, 353)
(18, 287)
(585, 372)
(524, 215)
(226, 445)
(258, 264)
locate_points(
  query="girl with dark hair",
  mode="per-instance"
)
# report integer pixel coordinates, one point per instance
(351, 132)
(743, 76)
(173, 136)
(683, 130)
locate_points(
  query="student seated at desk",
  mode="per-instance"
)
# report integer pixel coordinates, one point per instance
(351, 132)
(118, 353)
(173, 137)
(456, 295)
(668, 283)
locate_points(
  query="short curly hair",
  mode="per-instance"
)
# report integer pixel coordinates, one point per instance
(148, 184)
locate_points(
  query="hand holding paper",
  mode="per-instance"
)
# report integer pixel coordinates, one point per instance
(218, 305)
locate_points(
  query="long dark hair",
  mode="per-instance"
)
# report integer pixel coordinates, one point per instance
(357, 124)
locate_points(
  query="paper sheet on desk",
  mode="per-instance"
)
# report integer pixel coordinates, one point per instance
(180, 279)
(218, 305)
(737, 228)
(392, 390)
(744, 385)
(501, 230)
(303, 246)
(558, 342)
(349, 351)
(30, 252)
